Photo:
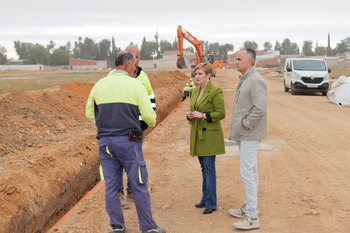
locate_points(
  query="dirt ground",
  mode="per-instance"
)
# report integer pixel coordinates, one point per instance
(304, 168)
(48, 150)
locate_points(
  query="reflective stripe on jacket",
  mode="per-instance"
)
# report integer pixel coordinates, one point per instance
(119, 100)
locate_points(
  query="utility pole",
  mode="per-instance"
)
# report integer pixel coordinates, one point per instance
(329, 46)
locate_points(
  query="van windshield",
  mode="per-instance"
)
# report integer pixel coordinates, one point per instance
(313, 65)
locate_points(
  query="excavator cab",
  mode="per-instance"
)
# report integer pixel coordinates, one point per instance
(211, 58)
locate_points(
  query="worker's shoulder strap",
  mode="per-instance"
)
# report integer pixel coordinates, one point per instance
(137, 72)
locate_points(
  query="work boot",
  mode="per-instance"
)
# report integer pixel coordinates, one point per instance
(130, 196)
(238, 213)
(118, 229)
(123, 201)
(159, 229)
(247, 223)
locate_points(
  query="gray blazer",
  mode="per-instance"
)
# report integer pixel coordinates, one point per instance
(249, 114)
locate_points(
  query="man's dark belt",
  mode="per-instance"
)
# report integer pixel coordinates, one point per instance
(135, 136)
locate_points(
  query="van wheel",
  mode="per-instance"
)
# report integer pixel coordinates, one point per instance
(292, 90)
(286, 89)
(324, 93)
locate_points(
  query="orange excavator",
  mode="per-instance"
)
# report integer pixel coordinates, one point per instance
(181, 34)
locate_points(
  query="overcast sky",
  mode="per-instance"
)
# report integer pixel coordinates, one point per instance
(226, 21)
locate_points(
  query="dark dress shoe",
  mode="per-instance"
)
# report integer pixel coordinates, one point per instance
(200, 205)
(208, 211)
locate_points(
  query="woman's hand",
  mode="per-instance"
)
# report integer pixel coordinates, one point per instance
(197, 114)
(189, 115)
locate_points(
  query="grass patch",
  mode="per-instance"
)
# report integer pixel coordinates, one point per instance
(26, 81)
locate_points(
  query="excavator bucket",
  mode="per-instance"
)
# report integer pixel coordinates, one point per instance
(181, 63)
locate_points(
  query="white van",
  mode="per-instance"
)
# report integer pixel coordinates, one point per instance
(306, 75)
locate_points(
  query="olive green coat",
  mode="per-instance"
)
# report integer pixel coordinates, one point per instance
(207, 137)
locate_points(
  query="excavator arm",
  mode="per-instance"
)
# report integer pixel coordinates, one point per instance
(181, 35)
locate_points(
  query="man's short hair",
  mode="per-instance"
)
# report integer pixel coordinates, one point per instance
(123, 57)
(250, 54)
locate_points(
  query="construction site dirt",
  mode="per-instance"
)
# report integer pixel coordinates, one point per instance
(49, 160)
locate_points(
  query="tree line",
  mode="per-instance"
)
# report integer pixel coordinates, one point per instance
(289, 47)
(106, 49)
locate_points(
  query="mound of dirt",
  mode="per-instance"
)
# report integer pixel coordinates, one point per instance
(37, 119)
(48, 150)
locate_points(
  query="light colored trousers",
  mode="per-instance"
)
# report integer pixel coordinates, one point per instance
(248, 165)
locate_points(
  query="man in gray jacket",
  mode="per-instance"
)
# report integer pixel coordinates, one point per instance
(248, 128)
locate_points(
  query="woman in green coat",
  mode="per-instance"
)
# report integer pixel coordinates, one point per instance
(207, 108)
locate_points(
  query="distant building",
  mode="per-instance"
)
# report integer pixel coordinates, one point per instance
(14, 61)
(344, 56)
(81, 64)
(169, 60)
(174, 53)
(170, 54)
(21, 67)
(268, 61)
(347, 54)
(263, 58)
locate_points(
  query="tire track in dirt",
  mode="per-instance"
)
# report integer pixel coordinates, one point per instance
(316, 140)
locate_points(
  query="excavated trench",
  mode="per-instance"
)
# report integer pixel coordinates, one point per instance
(48, 150)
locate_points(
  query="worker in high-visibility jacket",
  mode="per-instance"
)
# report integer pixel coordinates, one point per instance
(114, 104)
(143, 78)
(187, 91)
